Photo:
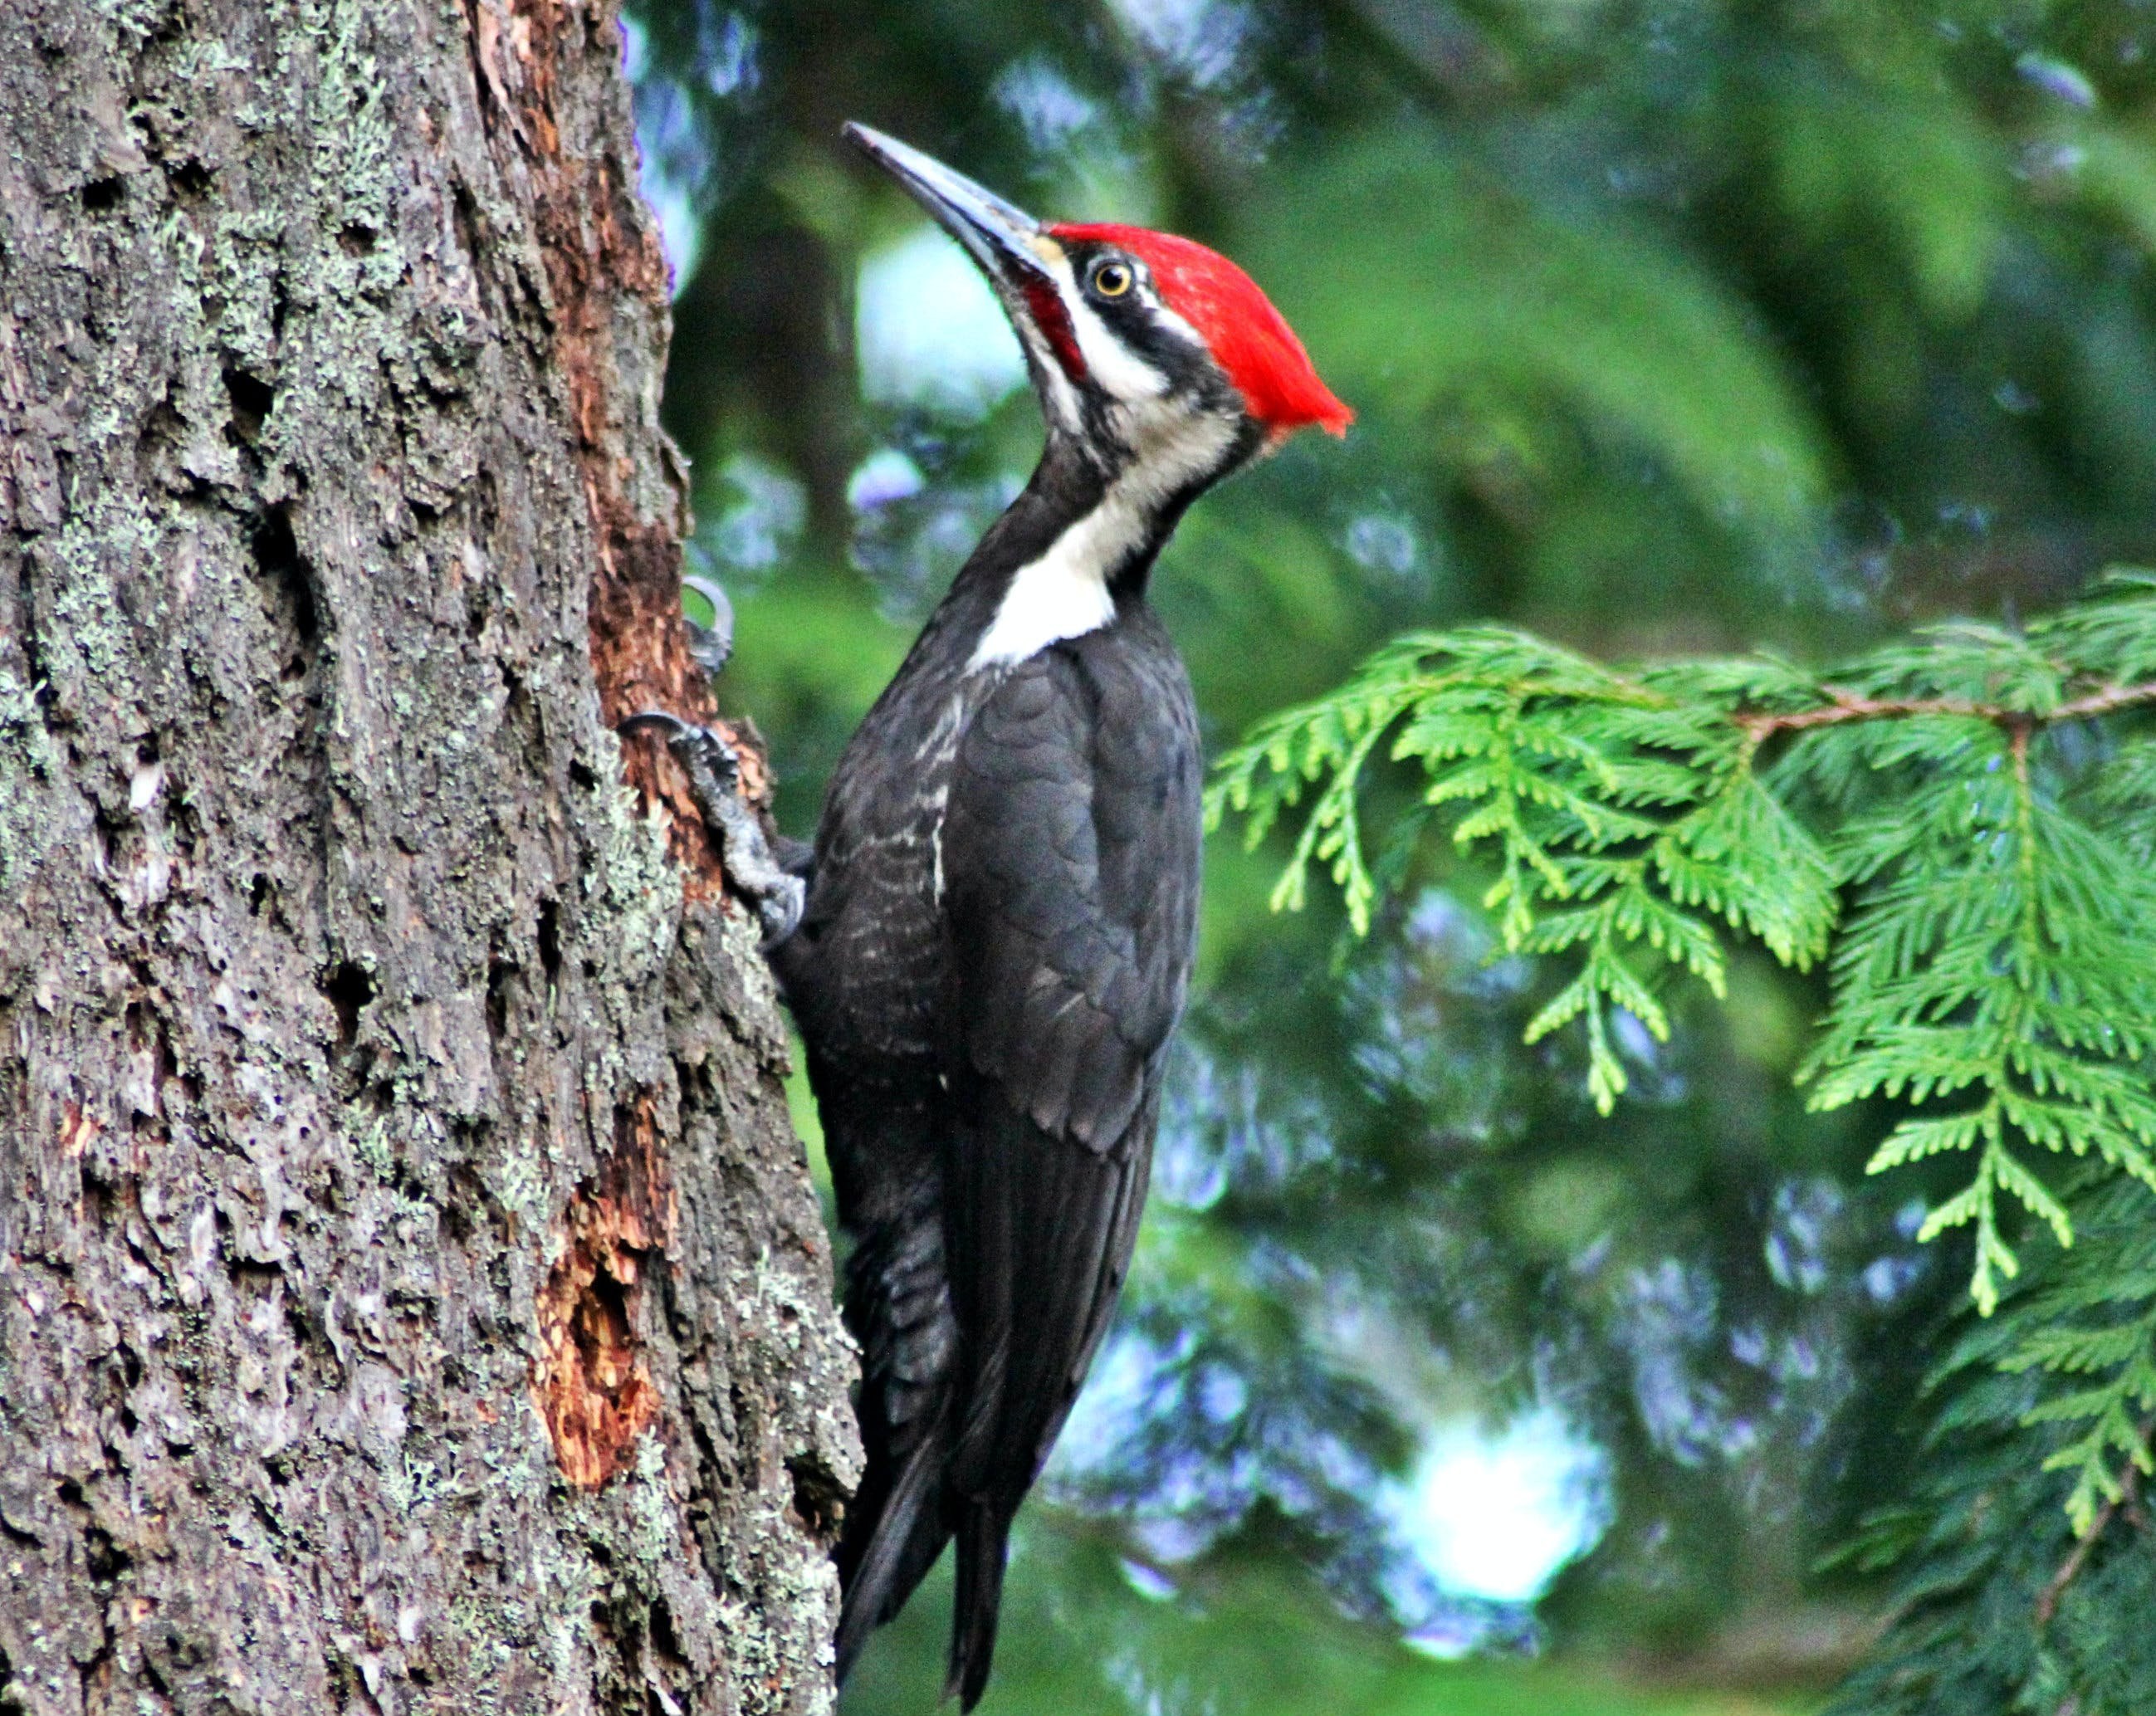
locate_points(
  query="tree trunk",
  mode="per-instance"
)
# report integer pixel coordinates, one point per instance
(412, 1295)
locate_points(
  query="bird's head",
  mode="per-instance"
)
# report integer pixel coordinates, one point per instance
(1159, 357)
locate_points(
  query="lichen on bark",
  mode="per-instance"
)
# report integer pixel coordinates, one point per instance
(411, 1292)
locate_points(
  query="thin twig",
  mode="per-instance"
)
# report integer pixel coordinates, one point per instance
(1849, 706)
(2129, 1487)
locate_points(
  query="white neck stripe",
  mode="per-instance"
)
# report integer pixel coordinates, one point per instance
(1064, 593)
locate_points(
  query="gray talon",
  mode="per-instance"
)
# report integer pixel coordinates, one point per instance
(714, 772)
(709, 645)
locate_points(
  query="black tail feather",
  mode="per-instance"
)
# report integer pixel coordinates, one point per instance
(983, 1543)
(901, 1543)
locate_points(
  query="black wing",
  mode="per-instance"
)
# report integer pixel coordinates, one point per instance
(1070, 856)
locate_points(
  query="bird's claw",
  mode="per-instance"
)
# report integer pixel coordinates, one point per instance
(713, 770)
(710, 646)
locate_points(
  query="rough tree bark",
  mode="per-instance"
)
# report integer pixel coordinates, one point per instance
(411, 1292)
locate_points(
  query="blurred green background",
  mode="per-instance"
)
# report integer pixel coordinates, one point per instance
(1671, 327)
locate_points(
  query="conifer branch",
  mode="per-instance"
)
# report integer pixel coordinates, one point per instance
(2126, 1502)
(1847, 706)
(1981, 882)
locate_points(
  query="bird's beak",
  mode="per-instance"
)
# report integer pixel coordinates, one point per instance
(1006, 242)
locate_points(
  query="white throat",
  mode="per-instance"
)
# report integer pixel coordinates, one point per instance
(1064, 593)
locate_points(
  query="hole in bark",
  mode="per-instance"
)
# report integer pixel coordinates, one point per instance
(665, 1645)
(105, 1559)
(520, 715)
(583, 774)
(602, 1327)
(157, 444)
(255, 1281)
(464, 215)
(592, 1382)
(456, 1216)
(286, 579)
(190, 176)
(466, 1202)
(71, 1495)
(355, 239)
(257, 893)
(252, 399)
(14, 1533)
(550, 939)
(32, 647)
(350, 987)
(295, 1319)
(96, 1195)
(500, 981)
(102, 194)
(818, 1497)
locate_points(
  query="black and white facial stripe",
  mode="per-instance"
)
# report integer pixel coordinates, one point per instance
(1138, 390)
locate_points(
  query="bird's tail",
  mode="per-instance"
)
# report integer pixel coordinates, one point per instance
(888, 1549)
(984, 1533)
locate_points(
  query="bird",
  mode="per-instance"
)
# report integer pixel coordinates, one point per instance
(1001, 899)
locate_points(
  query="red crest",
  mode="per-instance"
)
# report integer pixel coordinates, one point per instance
(1249, 339)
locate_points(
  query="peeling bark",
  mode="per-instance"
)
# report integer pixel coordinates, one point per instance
(411, 1291)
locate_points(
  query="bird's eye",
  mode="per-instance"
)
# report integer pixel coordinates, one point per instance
(1111, 280)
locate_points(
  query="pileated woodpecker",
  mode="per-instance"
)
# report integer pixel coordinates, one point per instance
(1003, 898)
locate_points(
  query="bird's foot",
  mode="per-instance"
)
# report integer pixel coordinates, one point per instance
(714, 772)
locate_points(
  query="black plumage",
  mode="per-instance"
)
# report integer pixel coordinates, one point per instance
(1001, 912)
(996, 946)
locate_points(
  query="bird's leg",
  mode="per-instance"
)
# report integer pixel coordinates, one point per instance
(771, 881)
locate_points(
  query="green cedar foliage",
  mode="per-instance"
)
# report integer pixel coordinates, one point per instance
(2000, 1608)
(1960, 826)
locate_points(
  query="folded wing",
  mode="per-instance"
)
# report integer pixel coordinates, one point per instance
(1068, 864)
